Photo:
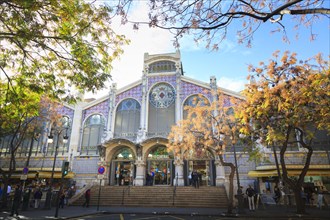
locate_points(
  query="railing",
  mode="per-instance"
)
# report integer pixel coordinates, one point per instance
(123, 196)
(76, 196)
(174, 189)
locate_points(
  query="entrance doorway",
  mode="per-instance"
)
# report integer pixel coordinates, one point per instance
(159, 172)
(122, 171)
(206, 171)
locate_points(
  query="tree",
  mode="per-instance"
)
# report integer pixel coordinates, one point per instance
(286, 104)
(210, 127)
(22, 112)
(52, 46)
(211, 19)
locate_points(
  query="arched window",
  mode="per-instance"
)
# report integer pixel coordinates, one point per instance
(162, 66)
(193, 101)
(161, 110)
(124, 154)
(92, 133)
(127, 121)
(60, 134)
(159, 152)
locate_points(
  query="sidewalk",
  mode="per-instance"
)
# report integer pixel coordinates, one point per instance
(270, 212)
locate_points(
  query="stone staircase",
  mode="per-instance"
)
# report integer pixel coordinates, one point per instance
(158, 196)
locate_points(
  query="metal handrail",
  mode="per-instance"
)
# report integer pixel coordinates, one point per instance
(174, 189)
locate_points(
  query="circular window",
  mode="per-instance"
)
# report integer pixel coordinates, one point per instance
(162, 95)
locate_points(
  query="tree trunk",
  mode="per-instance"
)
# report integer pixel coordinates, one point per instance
(296, 185)
(300, 202)
(231, 184)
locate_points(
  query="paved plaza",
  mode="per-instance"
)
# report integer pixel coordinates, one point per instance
(78, 212)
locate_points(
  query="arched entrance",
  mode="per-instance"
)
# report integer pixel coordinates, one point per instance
(122, 167)
(202, 161)
(160, 168)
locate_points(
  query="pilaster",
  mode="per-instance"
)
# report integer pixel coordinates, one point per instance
(220, 174)
(143, 120)
(111, 116)
(178, 110)
(179, 178)
(140, 172)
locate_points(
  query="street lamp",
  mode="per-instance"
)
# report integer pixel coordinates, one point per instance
(50, 140)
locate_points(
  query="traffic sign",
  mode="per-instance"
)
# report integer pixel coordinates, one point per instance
(25, 170)
(100, 176)
(23, 177)
(101, 169)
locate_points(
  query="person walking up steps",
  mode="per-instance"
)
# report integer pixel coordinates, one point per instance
(87, 198)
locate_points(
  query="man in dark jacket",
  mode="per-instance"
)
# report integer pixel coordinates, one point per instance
(87, 198)
(16, 200)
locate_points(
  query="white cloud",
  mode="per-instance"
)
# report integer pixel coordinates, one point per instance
(234, 84)
(130, 66)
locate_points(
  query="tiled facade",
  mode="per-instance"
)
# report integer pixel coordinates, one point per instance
(137, 163)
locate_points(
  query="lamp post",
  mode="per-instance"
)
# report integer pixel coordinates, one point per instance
(48, 203)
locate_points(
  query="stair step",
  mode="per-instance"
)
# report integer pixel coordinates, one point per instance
(158, 196)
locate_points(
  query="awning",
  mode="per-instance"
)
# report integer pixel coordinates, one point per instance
(262, 173)
(57, 175)
(267, 173)
(19, 175)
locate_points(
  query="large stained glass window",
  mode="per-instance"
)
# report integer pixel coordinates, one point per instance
(127, 121)
(93, 131)
(161, 110)
(193, 101)
(162, 95)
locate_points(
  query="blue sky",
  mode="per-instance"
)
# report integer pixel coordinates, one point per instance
(229, 64)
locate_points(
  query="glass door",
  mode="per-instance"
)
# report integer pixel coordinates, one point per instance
(203, 170)
(123, 171)
(159, 172)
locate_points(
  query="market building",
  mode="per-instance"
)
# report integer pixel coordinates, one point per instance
(126, 133)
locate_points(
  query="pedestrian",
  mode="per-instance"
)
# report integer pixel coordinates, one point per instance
(1, 192)
(194, 177)
(250, 194)
(277, 194)
(37, 197)
(16, 201)
(320, 199)
(62, 198)
(189, 179)
(8, 190)
(87, 198)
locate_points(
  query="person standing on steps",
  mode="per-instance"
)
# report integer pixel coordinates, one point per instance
(16, 200)
(37, 197)
(250, 193)
(194, 177)
(87, 198)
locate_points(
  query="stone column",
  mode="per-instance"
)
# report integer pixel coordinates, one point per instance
(143, 119)
(178, 177)
(220, 172)
(111, 119)
(178, 109)
(140, 172)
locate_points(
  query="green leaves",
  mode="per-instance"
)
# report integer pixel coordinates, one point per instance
(58, 44)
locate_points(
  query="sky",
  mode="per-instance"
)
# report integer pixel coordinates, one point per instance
(229, 64)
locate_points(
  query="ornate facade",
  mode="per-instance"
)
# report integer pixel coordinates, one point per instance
(126, 132)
